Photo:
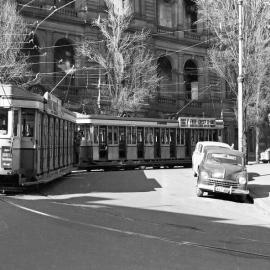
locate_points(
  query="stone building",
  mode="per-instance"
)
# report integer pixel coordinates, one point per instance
(188, 87)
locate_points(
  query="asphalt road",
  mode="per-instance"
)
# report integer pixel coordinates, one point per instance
(138, 219)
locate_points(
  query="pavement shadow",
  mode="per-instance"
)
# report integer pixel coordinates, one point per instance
(114, 181)
(259, 191)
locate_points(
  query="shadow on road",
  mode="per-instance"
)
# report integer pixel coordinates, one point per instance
(259, 191)
(116, 181)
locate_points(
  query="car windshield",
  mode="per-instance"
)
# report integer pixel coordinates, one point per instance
(224, 158)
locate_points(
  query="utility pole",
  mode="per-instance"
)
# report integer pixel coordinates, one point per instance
(240, 79)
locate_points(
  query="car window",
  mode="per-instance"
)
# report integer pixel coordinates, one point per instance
(224, 158)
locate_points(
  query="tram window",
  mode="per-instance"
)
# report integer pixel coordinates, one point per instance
(95, 134)
(115, 135)
(178, 136)
(140, 135)
(133, 134)
(192, 137)
(205, 135)
(149, 135)
(110, 135)
(102, 134)
(183, 136)
(163, 135)
(122, 137)
(128, 135)
(28, 121)
(15, 123)
(201, 138)
(167, 136)
(3, 121)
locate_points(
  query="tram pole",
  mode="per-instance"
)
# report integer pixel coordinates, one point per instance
(240, 79)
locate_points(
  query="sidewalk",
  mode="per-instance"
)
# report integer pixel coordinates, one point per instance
(259, 184)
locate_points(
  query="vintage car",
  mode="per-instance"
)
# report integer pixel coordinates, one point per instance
(223, 170)
(199, 152)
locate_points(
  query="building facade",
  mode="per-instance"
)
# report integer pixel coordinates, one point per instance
(188, 87)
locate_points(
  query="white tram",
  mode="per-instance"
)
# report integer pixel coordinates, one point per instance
(36, 138)
(108, 142)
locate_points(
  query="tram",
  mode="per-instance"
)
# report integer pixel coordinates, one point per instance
(36, 138)
(109, 142)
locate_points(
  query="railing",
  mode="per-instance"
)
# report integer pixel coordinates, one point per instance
(192, 35)
(166, 30)
(166, 100)
(48, 6)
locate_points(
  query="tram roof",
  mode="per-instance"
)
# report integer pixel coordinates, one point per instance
(189, 122)
(15, 96)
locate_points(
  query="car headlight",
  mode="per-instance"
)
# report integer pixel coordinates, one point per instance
(242, 180)
(204, 175)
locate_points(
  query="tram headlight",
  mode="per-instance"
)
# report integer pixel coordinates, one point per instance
(204, 175)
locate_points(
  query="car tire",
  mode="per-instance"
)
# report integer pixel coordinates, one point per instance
(199, 192)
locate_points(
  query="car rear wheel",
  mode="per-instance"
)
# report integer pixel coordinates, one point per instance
(199, 192)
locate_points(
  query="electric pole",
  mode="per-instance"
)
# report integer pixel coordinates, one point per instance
(240, 79)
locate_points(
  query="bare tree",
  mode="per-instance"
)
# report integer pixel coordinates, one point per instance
(128, 67)
(222, 19)
(14, 67)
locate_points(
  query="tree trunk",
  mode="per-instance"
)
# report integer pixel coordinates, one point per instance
(257, 137)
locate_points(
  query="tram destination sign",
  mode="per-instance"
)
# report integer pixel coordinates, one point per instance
(193, 122)
(53, 104)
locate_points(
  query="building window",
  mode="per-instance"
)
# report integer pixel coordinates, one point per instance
(165, 13)
(191, 15)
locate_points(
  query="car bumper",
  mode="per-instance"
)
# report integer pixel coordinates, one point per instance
(219, 189)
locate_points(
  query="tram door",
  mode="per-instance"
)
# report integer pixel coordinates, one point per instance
(157, 152)
(103, 144)
(140, 142)
(122, 142)
(188, 142)
(172, 143)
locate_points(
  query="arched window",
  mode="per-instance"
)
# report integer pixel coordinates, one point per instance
(165, 72)
(191, 15)
(64, 60)
(31, 49)
(191, 80)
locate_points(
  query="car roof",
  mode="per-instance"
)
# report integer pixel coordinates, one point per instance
(211, 143)
(225, 151)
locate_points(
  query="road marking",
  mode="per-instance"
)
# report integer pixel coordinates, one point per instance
(141, 235)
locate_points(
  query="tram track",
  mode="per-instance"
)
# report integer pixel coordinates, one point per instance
(214, 248)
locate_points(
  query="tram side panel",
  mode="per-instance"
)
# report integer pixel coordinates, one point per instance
(28, 150)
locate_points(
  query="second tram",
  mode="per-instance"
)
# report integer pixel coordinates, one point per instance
(108, 142)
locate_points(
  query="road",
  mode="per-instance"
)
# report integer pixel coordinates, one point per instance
(137, 219)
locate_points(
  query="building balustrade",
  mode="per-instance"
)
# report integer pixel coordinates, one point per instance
(192, 35)
(166, 100)
(166, 30)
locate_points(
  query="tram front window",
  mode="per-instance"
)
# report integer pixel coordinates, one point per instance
(3, 121)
